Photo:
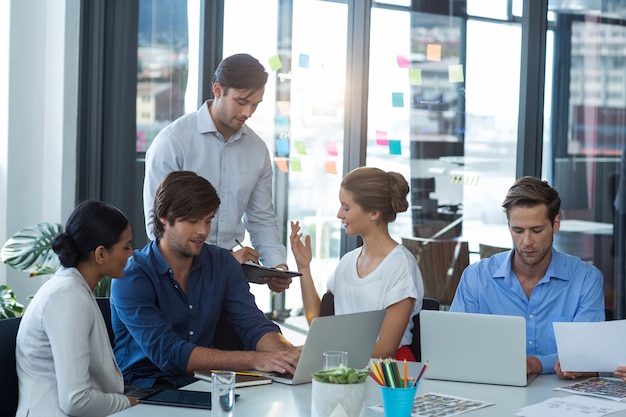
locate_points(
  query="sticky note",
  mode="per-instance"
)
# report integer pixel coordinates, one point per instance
(330, 167)
(296, 165)
(455, 73)
(395, 147)
(300, 147)
(282, 124)
(275, 63)
(284, 108)
(397, 99)
(281, 163)
(433, 52)
(415, 76)
(381, 138)
(403, 62)
(303, 61)
(331, 148)
(282, 146)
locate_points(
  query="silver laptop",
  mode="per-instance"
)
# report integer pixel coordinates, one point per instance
(468, 347)
(354, 333)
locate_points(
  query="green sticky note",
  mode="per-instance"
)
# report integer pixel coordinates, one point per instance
(415, 76)
(455, 73)
(295, 164)
(275, 63)
(395, 147)
(300, 146)
(397, 99)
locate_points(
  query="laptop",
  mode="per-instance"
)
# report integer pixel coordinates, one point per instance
(355, 333)
(469, 347)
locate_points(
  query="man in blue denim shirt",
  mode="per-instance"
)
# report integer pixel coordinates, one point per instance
(533, 280)
(165, 309)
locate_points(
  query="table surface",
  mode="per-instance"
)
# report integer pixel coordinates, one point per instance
(279, 400)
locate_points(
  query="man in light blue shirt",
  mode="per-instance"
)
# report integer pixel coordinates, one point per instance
(215, 143)
(533, 280)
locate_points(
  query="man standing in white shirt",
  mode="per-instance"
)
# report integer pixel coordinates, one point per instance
(216, 143)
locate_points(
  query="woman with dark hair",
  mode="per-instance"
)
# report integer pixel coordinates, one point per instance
(382, 274)
(65, 364)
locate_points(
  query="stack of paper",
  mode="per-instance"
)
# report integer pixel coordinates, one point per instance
(572, 406)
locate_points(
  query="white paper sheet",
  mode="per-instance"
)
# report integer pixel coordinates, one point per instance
(591, 347)
(572, 406)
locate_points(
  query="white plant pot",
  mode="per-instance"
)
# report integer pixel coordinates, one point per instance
(337, 400)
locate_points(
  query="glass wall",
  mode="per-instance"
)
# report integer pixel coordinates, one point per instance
(589, 136)
(302, 115)
(441, 104)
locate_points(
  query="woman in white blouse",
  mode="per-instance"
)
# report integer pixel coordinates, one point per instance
(65, 364)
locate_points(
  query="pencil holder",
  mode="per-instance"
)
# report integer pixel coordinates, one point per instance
(398, 402)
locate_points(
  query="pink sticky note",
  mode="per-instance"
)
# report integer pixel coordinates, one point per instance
(403, 62)
(331, 148)
(382, 138)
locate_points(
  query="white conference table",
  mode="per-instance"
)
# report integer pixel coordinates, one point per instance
(279, 400)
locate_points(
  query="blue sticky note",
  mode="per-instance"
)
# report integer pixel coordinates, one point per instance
(395, 147)
(282, 146)
(303, 61)
(397, 99)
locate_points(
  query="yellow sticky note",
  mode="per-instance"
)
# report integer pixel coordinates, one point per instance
(281, 163)
(275, 63)
(300, 146)
(415, 76)
(455, 73)
(433, 52)
(330, 167)
(296, 165)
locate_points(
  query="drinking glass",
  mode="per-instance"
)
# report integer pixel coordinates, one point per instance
(223, 394)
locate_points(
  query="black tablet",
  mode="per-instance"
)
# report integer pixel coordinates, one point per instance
(179, 398)
(255, 272)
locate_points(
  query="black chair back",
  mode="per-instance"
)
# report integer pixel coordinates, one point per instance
(327, 308)
(105, 308)
(428, 304)
(8, 373)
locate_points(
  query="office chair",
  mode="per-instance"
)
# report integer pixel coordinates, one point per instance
(8, 374)
(105, 308)
(428, 304)
(327, 308)
(486, 251)
(441, 262)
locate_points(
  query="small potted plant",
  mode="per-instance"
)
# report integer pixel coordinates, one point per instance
(338, 392)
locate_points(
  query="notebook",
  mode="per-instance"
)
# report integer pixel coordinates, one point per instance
(242, 379)
(468, 347)
(354, 333)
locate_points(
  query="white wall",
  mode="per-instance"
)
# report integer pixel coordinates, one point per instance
(37, 119)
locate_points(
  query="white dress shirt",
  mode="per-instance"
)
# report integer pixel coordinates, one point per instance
(240, 169)
(65, 365)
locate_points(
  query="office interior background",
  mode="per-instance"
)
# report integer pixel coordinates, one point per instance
(460, 96)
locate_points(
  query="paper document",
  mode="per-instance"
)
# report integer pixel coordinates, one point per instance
(609, 388)
(591, 347)
(572, 406)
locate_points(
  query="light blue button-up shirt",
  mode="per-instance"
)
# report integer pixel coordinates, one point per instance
(571, 290)
(240, 169)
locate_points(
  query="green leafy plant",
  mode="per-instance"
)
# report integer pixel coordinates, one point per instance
(9, 307)
(341, 375)
(30, 250)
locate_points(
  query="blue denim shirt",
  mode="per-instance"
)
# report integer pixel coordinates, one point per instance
(157, 325)
(571, 290)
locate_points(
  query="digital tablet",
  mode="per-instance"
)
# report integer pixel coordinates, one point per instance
(255, 272)
(179, 398)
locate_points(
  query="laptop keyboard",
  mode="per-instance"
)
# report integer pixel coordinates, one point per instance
(285, 375)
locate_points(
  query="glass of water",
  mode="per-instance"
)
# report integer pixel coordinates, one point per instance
(223, 394)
